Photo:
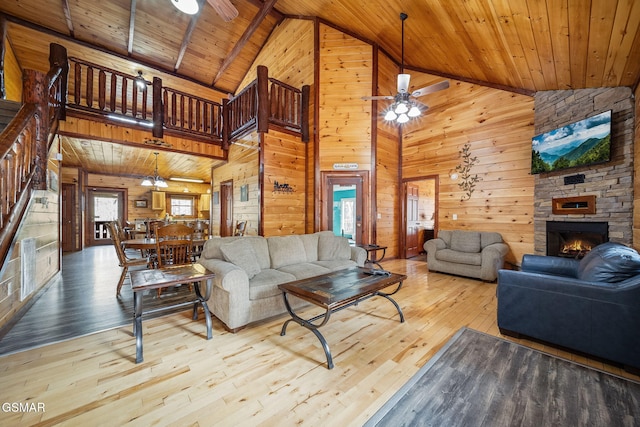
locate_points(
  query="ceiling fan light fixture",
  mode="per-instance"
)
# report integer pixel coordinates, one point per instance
(402, 118)
(401, 108)
(413, 112)
(390, 116)
(190, 7)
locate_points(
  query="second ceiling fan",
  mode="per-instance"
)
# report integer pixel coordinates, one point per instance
(403, 107)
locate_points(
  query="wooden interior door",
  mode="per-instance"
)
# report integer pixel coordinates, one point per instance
(226, 209)
(412, 197)
(69, 218)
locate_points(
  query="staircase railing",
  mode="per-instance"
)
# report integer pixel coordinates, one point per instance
(25, 142)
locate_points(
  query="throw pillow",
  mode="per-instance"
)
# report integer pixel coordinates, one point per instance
(610, 262)
(240, 253)
(286, 250)
(331, 247)
(465, 241)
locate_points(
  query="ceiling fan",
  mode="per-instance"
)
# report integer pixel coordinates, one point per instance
(403, 107)
(224, 8)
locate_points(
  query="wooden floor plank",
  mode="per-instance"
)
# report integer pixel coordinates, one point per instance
(254, 376)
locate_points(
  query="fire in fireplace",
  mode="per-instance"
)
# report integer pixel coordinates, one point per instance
(572, 239)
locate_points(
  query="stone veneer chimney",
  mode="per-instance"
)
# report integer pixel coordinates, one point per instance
(611, 182)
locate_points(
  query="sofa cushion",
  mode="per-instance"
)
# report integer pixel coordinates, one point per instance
(465, 241)
(332, 247)
(458, 257)
(286, 250)
(610, 263)
(304, 270)
(310, 242)
(265, 284)
(241, 253)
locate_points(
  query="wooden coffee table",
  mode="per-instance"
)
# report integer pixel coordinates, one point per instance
(142, 280)
(334, 292)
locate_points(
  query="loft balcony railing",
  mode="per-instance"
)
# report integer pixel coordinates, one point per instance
(100, 91)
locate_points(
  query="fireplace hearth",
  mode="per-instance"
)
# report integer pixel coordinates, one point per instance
(572, 239)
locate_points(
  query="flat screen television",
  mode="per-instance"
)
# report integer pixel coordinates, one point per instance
(582, 143)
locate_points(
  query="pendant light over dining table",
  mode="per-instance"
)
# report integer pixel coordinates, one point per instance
(155, 180)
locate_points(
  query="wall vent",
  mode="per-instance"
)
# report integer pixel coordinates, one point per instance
(28, 263)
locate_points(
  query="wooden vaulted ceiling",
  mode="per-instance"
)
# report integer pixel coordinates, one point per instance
(520, 45)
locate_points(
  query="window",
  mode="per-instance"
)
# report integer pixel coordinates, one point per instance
(181, 205)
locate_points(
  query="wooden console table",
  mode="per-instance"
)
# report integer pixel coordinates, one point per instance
(142, 280)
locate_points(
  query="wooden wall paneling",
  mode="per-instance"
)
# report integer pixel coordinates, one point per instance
(243, 168)
(41, 222)
(288, 54)
(344, 127)
(284, 162)
(12, 74)
(498, 126)
(388, 207)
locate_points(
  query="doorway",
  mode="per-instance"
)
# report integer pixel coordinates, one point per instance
(226, 209)
(103, 205)
(344, 204)
(69, 218)
(420, 213)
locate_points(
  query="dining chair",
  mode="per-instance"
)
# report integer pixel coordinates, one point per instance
(124, 260)
(174, 246)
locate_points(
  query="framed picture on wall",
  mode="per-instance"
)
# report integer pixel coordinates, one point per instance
(216, 197)
(244, 193)
(141, 203)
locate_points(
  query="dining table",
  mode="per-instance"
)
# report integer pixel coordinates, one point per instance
(147, 245)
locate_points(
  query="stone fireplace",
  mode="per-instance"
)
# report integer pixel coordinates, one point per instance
(574, 239)
(587, 195)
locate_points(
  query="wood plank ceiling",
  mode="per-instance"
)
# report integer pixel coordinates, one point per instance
(520, 45)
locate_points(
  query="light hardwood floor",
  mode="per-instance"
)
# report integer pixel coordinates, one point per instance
(254, 377)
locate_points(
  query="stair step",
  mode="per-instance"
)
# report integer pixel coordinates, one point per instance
(8, 110)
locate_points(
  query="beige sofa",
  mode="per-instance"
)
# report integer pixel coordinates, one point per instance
(478, 254)
(250, 268)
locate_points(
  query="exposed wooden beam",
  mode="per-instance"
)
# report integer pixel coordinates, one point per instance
(132, 26)
(67, 16)
(185, 40)
(267, 6)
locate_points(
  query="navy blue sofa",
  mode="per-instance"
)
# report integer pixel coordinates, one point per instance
(591, 306)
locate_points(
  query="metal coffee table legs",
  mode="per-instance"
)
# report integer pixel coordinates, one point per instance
(309, 323)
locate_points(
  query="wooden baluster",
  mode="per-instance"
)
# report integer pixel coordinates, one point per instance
(77, 87)
(304, 113)
(114, 91)
(102, 86)
(134, 99)
(89, 87)
(123, 96)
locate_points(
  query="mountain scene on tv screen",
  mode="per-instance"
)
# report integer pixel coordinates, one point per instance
(578, 144)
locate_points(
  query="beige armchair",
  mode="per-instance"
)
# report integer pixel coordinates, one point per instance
(477, 254)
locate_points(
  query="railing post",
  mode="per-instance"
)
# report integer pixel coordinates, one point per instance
(58, 58)
(304, 113)
(158, 109)
(263, 99)
(226, 126)
(36, 91)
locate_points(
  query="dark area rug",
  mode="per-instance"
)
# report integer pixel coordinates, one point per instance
(481, 380)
